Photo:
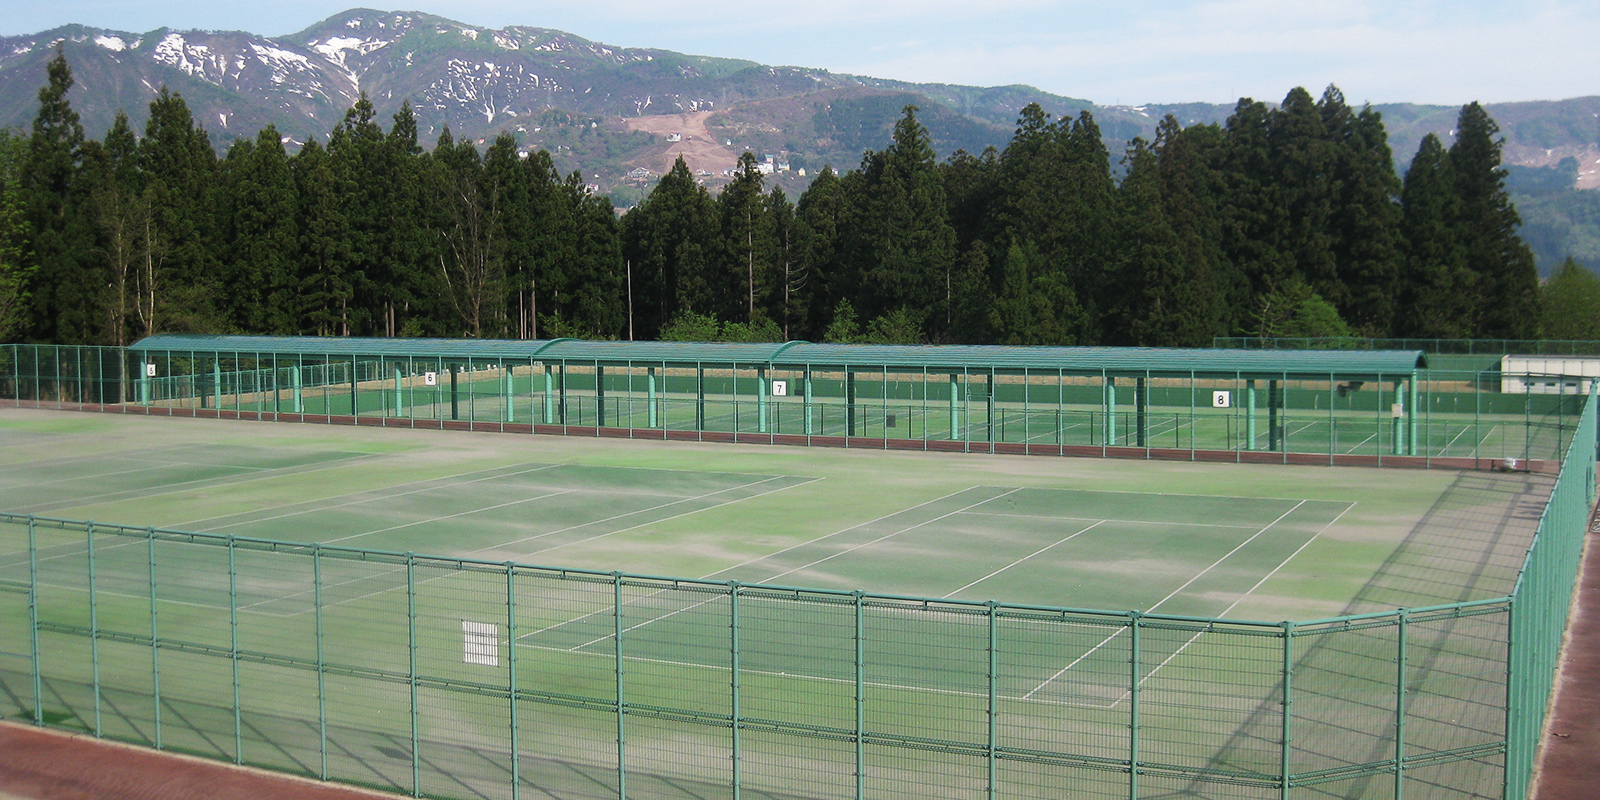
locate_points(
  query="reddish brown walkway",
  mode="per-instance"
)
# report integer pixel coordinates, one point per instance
(1569, 767)
(38, 764)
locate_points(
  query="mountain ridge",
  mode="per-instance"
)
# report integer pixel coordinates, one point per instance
(596, 106)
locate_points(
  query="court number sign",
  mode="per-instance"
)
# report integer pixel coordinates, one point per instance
(430, 379)
(780, 388)
(149, 370)
(1221, 399)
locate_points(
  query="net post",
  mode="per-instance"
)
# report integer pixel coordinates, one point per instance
(411, 650)
(155, 635)
(733, 662)
(993, 711)
(511, 664)
(1288, 710)
(616, 654)
(860, 697)
(233, 646)
(1400, 703)
(94, 629)
(322, 672)
(1135, 658)
(33, 622)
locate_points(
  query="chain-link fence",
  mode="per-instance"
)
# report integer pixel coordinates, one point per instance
(449, 677)
(1448, 417)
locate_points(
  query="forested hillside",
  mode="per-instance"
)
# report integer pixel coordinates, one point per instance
(1286, 220)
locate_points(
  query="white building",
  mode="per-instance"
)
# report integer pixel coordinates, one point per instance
(1548, 374)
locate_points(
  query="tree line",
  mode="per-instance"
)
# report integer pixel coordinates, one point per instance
(1284, 221)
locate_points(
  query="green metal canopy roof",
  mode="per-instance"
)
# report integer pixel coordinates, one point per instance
(934, 358)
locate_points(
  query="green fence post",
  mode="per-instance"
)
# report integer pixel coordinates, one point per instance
(1250, 415)
(233, 645)
(411, 640)
(399, 399)
(1274, 417)
(1397, 424)
(1411, 417)
(297, 383)
(511, 664)
(511, 397)
(1288, 709)
(761, 399)
(455, 399)
(733, 663)
(33, 622)
(599, 396)
(216, 381)
(805, 400)
(1134, 663)
(1141, 402)
(94, 630)
(616, 655)
(849, 404)
(699, 397)
(1400, 705)
(861, 696)
(654, 416)
(322, 672)
(993, 711)
(955, 410)
(549, 394)
(155, 634)
(1110, 409)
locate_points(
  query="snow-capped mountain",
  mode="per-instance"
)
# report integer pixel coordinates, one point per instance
(475, 80)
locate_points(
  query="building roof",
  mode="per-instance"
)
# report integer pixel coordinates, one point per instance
(933, 358)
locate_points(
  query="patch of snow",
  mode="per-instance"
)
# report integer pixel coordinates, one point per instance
(506, 42)
(267, 55)
(113, 43)
(469, 33)
(354, 23)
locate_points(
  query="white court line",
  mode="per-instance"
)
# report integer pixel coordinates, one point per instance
(1235, 604)
(805, 566)
(370, 499)
(573, 527)
(183, 486)
(148, 466)
(1174, 593)
(1025, 558)
(640, 511)
(1098, 519)
(709, 575)
(1357, 445)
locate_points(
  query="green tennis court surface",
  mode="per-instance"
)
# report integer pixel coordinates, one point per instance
(1249, 542)
(1216, 540)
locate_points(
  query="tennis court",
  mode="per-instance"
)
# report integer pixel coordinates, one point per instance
(352, 643)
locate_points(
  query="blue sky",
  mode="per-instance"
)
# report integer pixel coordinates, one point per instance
(1145, 51)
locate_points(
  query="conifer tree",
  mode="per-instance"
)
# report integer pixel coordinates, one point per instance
(746, 247)
(1505, 277)
(1157, 309)
(1193, 188)
(182, 286)
(1365, 225)
(899, 235)
(263, 273)
(116, 208)
(325, 290)
(1438, 291)
(667, 239)
(14, 272)
(405, 276)
(58, 232)
(818, 217)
